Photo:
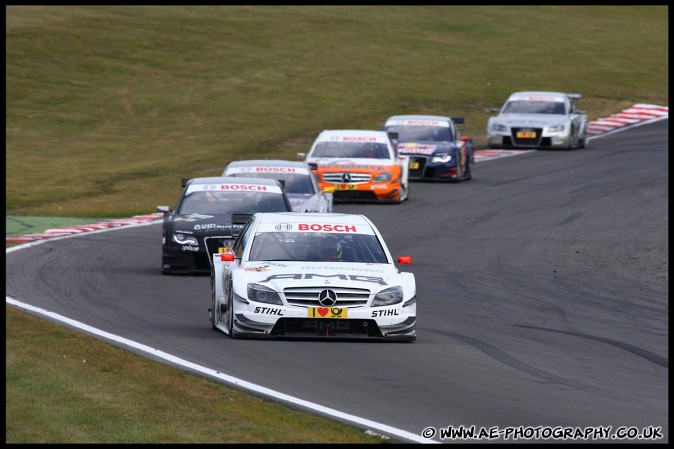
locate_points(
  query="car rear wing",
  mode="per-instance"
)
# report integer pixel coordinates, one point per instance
(459, 121)
(576, 100)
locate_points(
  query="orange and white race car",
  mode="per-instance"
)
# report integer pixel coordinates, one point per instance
(361, 165)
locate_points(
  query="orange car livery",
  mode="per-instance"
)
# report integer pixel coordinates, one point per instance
(361, 165)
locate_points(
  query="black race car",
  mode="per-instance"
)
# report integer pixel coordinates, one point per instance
(436, 149)
(210, 214)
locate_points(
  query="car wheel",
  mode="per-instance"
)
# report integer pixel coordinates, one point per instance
(469, 171)
(230, 317)
(403, 193)
(215, 311)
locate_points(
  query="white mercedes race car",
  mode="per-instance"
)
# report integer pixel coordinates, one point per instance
(297, 179)
(539, 120)
(317, 275)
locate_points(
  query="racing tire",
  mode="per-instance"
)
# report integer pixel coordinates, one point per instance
(468, 174)
(215, 311)
(404, 192)
(230, 317)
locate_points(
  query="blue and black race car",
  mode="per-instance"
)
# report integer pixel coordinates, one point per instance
(434, 145)
(209, 216)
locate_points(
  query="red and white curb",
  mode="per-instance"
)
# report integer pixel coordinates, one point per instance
(637, 114)
(78, 229)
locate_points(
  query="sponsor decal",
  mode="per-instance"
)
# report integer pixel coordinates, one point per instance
(355, 139)
(390, 312)
(258, 269)
(414, 148)
(233, 188)
(327, 312)
(312, 276)
(276, 170)
(189, 248)
(267, 170)
(268, 311)
(544, 98)
(316, 227)
(283, 226)
(200, 227)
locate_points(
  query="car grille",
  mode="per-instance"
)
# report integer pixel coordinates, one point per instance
(527, 142)
(308, 296)
(352, 178)
(419, 171)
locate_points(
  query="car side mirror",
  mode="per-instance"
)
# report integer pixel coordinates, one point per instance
(405, 260)
(227, 257)
(301, 155)
(164, 209)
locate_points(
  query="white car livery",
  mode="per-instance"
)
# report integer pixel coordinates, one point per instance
(297, 179)
(539, 120)
(312, 275)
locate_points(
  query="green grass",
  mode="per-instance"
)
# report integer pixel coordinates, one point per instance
(107, 108)
(63, 388)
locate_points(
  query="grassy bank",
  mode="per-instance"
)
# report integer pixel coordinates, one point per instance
(109, 107)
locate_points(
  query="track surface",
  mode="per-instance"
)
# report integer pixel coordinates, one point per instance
(542, 288)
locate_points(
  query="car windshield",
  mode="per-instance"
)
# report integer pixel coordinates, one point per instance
(227, 203)
(534, 107)
(413, 133)
(370, 150)
(317, 247)
(294, 183)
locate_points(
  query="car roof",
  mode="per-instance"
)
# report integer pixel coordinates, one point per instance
(322, 217)
(233, 180)
(417, 117)
(267, 163)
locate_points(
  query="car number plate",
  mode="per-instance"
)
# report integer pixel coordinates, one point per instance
(526, 135)
(414, 165)
(346, 186)
(328, 312)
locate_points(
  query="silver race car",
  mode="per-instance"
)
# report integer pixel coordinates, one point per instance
(539, 120)
(318, 275)
(297, 179)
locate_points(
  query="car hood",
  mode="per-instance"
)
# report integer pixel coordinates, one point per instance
(531, 119)
(425, 147)
(281, 275)
(345, 164)
(206, 224)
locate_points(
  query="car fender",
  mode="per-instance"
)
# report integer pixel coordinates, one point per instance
(218, 278)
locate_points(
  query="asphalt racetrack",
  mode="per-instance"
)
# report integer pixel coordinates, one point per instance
(542, 289)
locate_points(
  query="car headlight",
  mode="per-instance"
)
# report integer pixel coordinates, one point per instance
(389, 296)
(556, 128)
(260, 293)
(499, 127)
(442, 158)
(183, 239)
(382, 177)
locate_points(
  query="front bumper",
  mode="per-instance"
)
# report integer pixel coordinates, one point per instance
(421, 168)
(364, 192)
(541, 139)
(392, 323)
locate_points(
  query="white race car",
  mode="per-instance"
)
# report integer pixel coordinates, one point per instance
(297, 179)
(317, 275)
(539, 120)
